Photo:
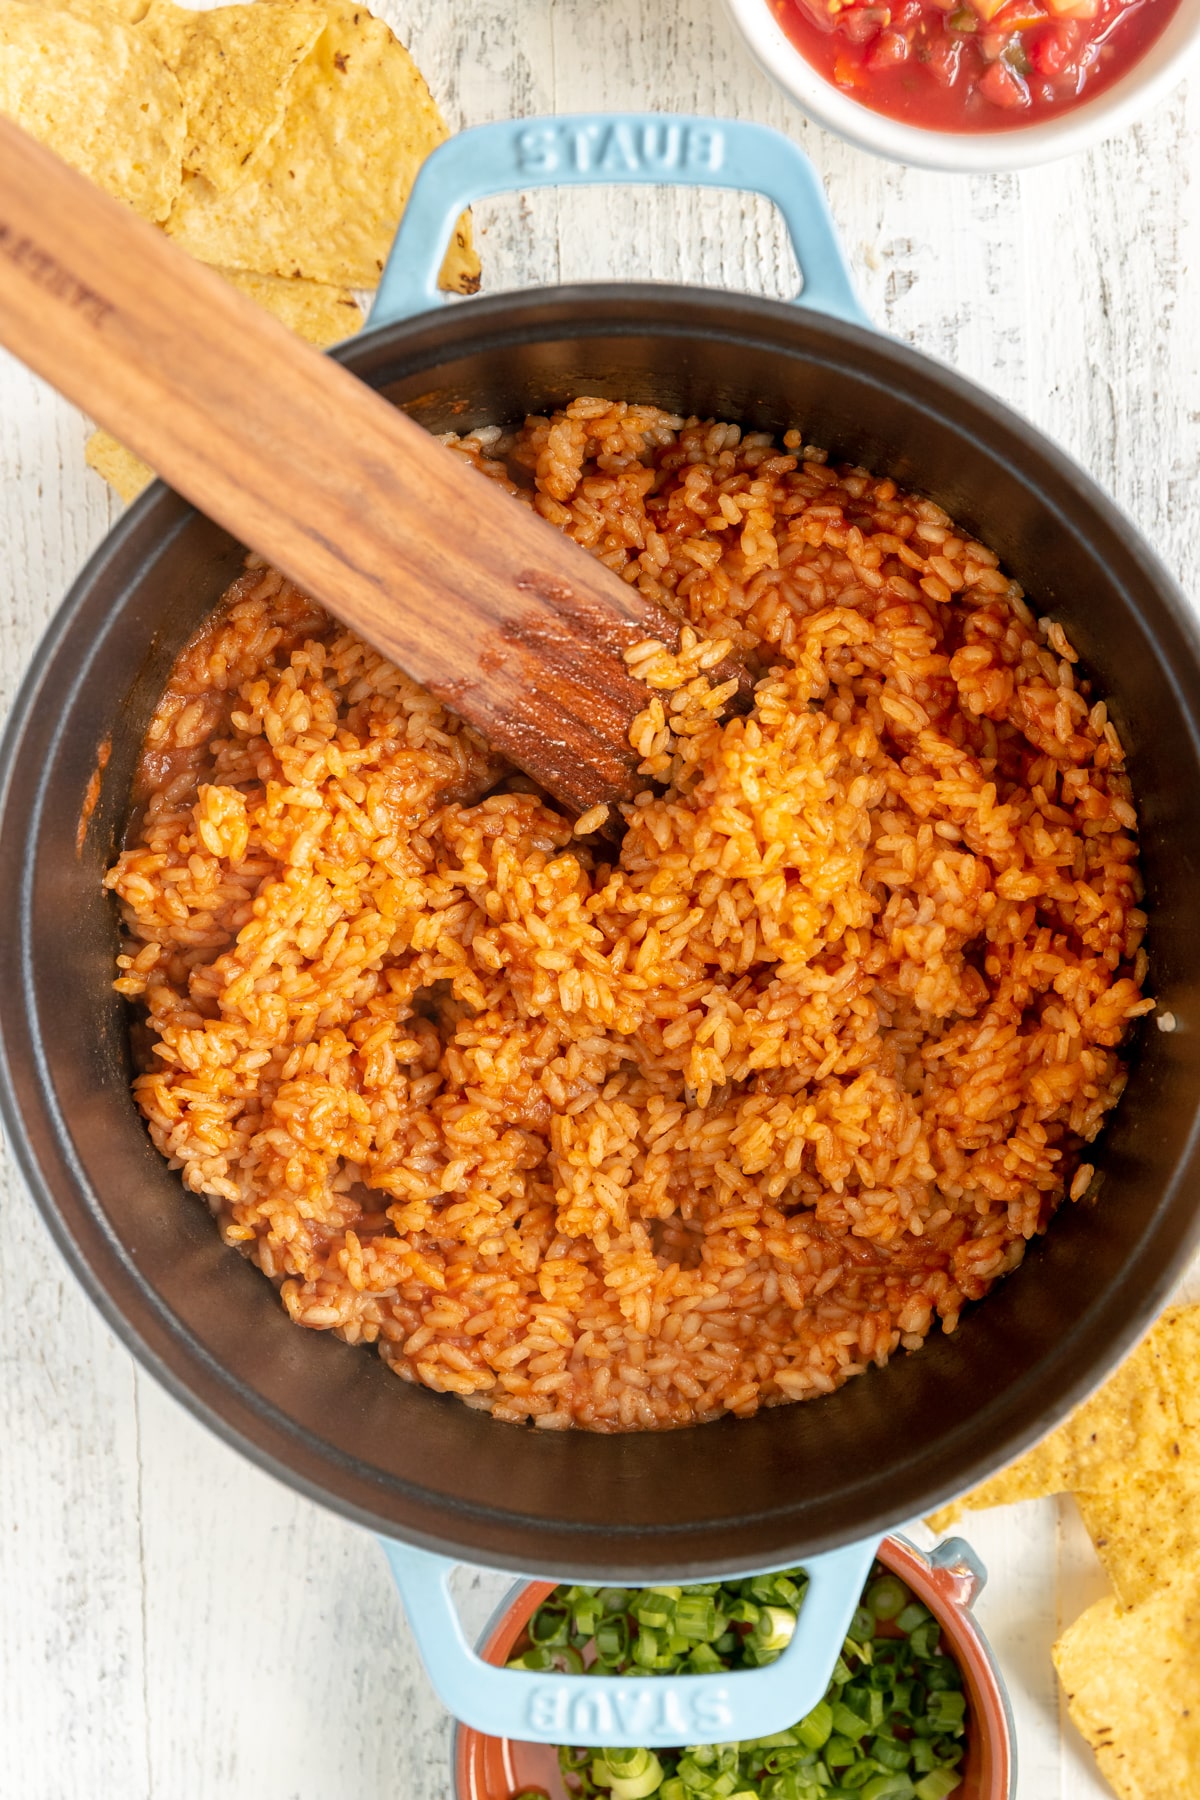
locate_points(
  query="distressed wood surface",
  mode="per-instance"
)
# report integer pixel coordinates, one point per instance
(173, 1624)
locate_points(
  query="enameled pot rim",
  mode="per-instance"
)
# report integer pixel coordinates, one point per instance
(311, 1463)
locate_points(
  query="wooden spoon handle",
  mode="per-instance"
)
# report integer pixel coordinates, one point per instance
(499, 615)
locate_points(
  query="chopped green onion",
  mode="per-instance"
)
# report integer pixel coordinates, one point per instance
(549, 1625)
(848, 1723)
(891, 1726)
(693, 1771)
(860, 1773)
(862, 1626)
(696, 1617)
(911, 1616)
(937, 1784)
(564, 1659)
(775, 1590)
(585, 1616)
(840, 1752)
(890, 1752)
(947, 1710)
(638, 1782)
(627, 1762)
(815, 1727)
(775, 1628)
(612, 1638)
(942, 1672)
(888, 1787)
(887, 1597)
(655, 1606)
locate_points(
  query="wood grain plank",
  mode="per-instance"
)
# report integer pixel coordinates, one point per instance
(72, 1666)
(71, 1643)
(278, 1660)
(262, 1657)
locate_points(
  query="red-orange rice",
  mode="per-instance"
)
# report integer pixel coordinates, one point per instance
(630, 1144)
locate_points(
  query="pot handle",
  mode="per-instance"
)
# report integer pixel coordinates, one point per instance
(619, 1711)
(958, 1571)
(591, 149)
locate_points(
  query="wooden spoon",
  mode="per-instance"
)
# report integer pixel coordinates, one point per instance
(497, 613)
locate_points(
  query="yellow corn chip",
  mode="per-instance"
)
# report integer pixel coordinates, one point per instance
(321, 315)
(234, 67)
(1147, 1533)
(1146, 1418)
(1035, 1476)
(86, 84)
(322, 198)
(1132, 1681)
(126, 473)
(130, 11)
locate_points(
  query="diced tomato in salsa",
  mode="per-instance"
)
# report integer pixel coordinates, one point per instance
(972, 65)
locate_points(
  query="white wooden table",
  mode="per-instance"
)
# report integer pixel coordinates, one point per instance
(173, 1624)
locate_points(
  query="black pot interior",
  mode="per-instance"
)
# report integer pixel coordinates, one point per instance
(330, 1419)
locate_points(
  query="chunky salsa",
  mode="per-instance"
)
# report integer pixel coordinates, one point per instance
(972, 65)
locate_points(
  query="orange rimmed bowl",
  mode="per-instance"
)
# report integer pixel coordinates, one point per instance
(947, 1581)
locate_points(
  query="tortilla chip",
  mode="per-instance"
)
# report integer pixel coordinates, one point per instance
(1132, 1681)
(123, 471)
(129, 11)
(87, 85)
(319, 314)
(1145, 1419)
(1033, 1478)
(1147, 1533)
(234, 67)
(322, 198)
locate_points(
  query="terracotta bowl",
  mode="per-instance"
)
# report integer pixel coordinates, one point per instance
(488, 1768)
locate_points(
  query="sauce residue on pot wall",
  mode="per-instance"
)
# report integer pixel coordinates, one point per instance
(92, 794)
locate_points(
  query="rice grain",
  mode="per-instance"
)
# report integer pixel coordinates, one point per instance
(626, 1140)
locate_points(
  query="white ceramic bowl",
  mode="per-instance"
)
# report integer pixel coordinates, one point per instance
(1164, 64)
